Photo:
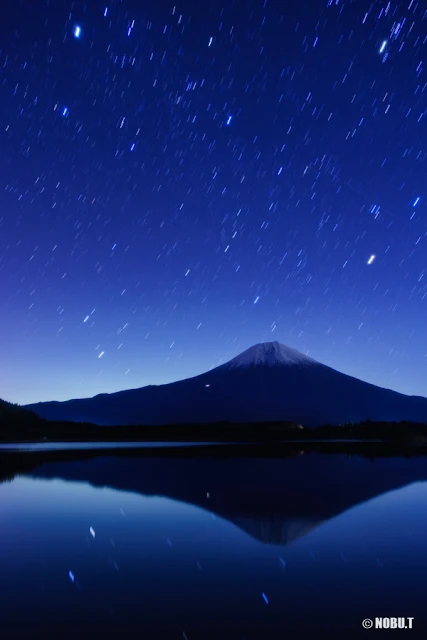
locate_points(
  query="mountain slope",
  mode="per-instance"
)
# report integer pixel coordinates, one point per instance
(268, 382)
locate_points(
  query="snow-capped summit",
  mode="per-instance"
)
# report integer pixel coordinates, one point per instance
(271, 354)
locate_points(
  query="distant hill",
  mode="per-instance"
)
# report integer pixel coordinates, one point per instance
(269, 382)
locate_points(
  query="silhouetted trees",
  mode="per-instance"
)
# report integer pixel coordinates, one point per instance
(18, 424)
(19, 415)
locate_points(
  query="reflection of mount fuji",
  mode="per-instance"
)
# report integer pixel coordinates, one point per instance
(275, 500)
(276, 530)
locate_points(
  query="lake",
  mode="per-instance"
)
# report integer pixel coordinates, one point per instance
(126, 545)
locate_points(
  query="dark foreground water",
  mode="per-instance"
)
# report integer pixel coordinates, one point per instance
(127, 546)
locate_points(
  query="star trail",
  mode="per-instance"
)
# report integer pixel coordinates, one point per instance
(180, 181)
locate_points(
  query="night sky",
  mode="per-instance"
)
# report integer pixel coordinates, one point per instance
(181, 181)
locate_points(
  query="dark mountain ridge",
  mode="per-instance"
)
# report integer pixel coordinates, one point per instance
(269, 382)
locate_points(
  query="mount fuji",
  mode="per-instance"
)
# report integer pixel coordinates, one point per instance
(268, 382)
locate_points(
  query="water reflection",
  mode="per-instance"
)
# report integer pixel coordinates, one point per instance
(233, 548)
(98, 446)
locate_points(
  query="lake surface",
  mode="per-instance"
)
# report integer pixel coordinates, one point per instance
(71, 446)
(126, 546)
